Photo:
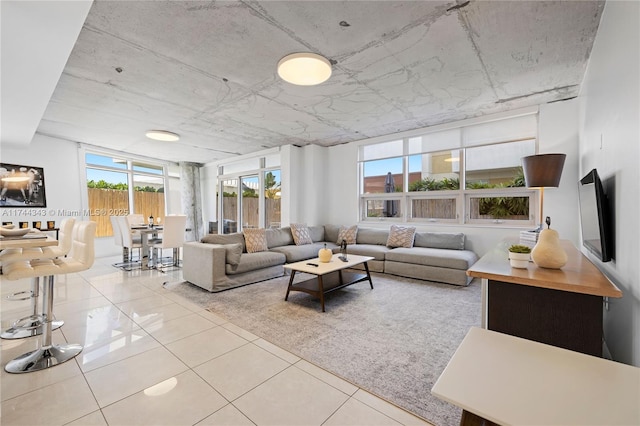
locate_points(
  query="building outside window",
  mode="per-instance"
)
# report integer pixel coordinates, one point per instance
(461, 175)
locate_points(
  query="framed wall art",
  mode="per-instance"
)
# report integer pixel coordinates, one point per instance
(22, 186)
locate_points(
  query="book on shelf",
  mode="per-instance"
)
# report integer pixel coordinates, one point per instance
(528, 238)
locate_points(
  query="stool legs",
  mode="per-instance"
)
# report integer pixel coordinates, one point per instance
(48, 355)
(31, 325)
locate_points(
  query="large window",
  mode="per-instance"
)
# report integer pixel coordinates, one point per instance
(469, 174)
(119, 186)
(251, 194)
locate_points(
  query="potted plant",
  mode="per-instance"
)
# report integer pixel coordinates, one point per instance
(519, 256)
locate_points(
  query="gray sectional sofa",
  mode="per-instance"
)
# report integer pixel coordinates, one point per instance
(221, 262)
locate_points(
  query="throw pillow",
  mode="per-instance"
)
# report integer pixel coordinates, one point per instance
(300, 234)
(401, 236)
(255, 239)
(347, 233)
(233, 253)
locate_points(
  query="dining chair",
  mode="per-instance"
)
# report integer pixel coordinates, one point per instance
(129, 243)
(32, 325)
(172, 237)
(80, 258)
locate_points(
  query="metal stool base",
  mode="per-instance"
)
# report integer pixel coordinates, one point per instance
(30, 330)
(21, 295)
(43, 358)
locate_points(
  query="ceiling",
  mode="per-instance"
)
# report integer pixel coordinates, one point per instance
(207, 70)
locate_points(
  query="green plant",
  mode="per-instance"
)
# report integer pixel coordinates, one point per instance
(517, 248)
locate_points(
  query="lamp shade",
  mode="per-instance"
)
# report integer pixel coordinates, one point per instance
(543, 170)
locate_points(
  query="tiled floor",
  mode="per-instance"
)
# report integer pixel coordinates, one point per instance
(152, 357)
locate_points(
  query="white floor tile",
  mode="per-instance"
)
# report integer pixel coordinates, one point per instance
(59, 403)
(184, 399)
(198, 348)
(124, 378)
(170, 331)
(237, 372)
(355, 413)
(292, 397)
(227, 416)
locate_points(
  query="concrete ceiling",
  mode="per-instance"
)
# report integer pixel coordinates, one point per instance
(207, 70)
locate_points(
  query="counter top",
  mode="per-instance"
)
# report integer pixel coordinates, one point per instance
(579, 275)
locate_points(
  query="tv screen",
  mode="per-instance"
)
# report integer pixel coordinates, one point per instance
(595, 220)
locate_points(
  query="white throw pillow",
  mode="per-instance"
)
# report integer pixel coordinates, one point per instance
(347, 233)
(300, 234)
(255, 239)
(401, 236)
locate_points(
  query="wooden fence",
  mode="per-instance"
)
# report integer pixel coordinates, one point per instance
(112, 202)
(250, 213)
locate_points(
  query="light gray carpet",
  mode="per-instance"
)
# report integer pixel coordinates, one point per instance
(393, 341)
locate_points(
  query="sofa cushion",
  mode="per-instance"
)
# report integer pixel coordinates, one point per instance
(401, 236)
(277, 237)
(300, 233)
(347, 233)
(331, 233)
(254, 261)
(295, 253)
(443, 240)
(453, 259)
(236, 238)
(233, 253)
(372, 236)
(317, 233)
(377, 251)
(255, 239)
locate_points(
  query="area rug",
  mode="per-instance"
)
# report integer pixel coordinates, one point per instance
(393, 341)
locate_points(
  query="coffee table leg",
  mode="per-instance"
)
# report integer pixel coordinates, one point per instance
(293, 274)
(366, 267)
(321, 290)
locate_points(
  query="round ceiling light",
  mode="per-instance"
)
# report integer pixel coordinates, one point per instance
(304, 69)
(162, 135)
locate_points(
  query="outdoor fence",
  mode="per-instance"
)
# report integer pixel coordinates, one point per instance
(250, 213)
(112, 202)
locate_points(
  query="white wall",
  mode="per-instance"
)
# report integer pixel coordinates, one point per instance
(609, 140)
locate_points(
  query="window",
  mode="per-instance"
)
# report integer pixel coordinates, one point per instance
(118, 186)
(251, 194)
(468, 174)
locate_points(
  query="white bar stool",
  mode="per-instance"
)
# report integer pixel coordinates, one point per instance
(81, 258)
(32, 325)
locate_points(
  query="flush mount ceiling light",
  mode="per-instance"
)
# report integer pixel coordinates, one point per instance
(304, 69)
(162, 135)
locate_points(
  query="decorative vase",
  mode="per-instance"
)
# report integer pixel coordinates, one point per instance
(519, 260)
(325, 254)
(548, 253)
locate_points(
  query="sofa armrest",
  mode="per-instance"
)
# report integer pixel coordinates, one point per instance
(204, 264)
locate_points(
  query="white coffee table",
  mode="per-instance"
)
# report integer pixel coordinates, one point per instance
(330, 276)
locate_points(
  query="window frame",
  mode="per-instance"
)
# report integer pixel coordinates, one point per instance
(462, 195)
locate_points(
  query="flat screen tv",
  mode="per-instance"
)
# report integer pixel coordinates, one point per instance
(595, 218)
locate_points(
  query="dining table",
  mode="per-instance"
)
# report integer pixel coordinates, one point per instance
(146, 233)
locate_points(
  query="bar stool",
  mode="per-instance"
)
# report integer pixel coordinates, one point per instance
(32, 325)
(81, 258)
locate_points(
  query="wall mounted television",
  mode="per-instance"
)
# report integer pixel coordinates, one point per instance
(596, 220)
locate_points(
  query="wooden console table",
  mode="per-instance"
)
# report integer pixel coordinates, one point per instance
(560, 307)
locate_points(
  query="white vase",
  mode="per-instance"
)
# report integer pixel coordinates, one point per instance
(548, 253)
(325, 254)
(519, 260)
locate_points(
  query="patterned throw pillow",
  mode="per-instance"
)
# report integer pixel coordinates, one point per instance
(347, 233)
(255, 239)
(300, 234)
(401, 236)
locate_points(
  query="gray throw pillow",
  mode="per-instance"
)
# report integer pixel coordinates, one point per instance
(233, 253)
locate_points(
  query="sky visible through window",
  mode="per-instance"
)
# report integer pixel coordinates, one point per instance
(393, 165)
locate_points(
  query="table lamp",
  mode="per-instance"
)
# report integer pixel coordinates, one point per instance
(543, 170)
